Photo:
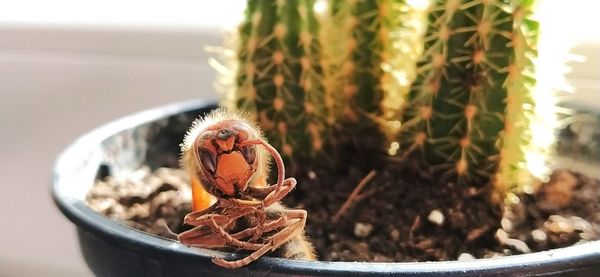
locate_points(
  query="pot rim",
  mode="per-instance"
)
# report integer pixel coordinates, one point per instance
(69, 197)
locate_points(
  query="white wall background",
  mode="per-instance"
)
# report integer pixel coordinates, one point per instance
(67, 66)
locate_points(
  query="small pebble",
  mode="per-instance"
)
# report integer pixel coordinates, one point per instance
(519, 245)
(513, 199)
(395, 234)
(466, 257)
(492, 254)
(506, 224)
(312, 175)
(539, 235)
(559, 224)
(362, 230)
(334, 256)
(436, 217)
(580, 224)
(345, 254)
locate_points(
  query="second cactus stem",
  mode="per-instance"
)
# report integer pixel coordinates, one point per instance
(467, 114)
(356, 45)
(279, 73)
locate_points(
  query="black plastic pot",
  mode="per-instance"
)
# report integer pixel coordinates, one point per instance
(152, 137)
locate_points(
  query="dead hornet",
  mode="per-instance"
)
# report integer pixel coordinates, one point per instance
(227, 167)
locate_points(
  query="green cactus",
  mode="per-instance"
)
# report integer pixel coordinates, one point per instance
(368, 44)
(343, 79)
(279, 75)
(469, 110)
(355, 43)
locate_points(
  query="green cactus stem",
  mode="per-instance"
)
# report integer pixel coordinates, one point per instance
(469, 109)
(356, 44)
(279, 75)
(516, 142)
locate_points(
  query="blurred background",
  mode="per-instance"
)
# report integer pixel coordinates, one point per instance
(68, 66)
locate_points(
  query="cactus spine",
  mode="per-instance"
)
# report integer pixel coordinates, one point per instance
(278, 75)
(469, 108)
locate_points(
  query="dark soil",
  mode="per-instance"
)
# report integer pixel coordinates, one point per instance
(154, 202)
(391, 220)
(396, 223)
(391, 223)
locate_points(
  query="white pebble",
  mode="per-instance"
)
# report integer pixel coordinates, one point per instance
(436, 217)
(519, 245)
(362, 230)
(506, 224)
(559, 224)
(395, 234)
(466, 257)
(580, 223)
(539, 235)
